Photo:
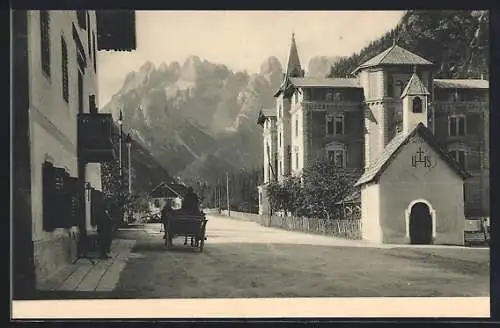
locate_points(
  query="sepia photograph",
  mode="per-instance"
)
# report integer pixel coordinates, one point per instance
(264, 160)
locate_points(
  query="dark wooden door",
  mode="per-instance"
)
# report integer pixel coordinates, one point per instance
(420, 224)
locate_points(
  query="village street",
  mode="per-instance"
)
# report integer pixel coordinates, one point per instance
(242, 259)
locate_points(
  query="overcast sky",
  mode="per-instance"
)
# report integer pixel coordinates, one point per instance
(240, 39)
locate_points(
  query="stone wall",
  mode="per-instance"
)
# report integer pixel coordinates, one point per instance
(54, 253)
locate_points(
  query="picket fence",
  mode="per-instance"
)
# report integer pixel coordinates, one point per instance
(349, 228)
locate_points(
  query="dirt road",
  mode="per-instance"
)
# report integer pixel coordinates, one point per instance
(244, 259)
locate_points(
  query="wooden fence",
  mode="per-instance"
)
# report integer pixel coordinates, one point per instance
(346, 226)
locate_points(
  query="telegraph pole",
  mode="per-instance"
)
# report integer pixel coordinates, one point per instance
(227, 194)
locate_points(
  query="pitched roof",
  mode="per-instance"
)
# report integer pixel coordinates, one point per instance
(286, 84)
(169, 190)
(269, 112)
(293, 66)
(325, 82)
(395, 55)
(461, 84)
(415, 87)
(374, 171)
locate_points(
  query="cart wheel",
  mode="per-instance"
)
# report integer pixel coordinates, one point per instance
(168, 242)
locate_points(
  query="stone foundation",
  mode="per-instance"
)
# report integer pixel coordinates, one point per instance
(54, 252)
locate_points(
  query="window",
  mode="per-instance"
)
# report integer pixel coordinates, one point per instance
(89, 43)
(92, 104)
(337, 156)
(80, 92)
(335, 124)
(296, 160)
(417, 105)
(329, 96)
(279, 110)
(402, 85)
(296, 127)
(337, 96)
(64, 69)
(456, 125)
(95, 51)
(45, 41)
(390, 85)
(458, 155)
(453, 96)
(339, 124)
(280, 139)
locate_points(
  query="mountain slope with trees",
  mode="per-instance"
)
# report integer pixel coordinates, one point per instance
(457, 41)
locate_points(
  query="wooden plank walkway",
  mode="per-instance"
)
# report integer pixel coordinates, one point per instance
(83, 276)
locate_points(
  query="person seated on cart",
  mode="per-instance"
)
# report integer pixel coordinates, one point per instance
(191, 203)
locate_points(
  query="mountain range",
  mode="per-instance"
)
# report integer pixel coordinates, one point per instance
(196, 120)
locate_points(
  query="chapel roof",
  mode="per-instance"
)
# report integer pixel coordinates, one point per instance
(376, 169)
(461, 84)
(395, 55)
(415, 87)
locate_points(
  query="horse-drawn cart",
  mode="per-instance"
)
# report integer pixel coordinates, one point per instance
(187, 225)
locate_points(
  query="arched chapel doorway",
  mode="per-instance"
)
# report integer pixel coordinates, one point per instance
(420, 225)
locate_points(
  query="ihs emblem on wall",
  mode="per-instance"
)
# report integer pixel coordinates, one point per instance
(420, 158)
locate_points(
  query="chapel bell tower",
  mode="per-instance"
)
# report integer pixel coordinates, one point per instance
(415, 99)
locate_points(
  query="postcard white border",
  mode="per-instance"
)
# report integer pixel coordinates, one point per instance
(415, 307)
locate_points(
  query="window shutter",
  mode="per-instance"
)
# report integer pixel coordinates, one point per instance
(96, 206)
(74, 201)
(461, 126)
(453, 126)
(62, 199)
(45, 40)
(48, 192)
(64, 69)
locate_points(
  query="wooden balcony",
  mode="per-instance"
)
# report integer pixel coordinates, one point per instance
(97, 139)
(461, 106)
(331, 105)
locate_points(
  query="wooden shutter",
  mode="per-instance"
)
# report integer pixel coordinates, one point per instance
(74, 195)
(48, 192)
(56, 198)
(62, 204)
(95, 206)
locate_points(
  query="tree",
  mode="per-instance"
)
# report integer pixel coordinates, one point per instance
(114, 190)
(316, 193)
(325, 185)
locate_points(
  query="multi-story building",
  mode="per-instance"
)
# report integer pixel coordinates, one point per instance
(60, 138)
(352, 120)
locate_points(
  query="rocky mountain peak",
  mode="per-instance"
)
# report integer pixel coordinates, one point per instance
(147, 67)
(320, 66)
(271, 65)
